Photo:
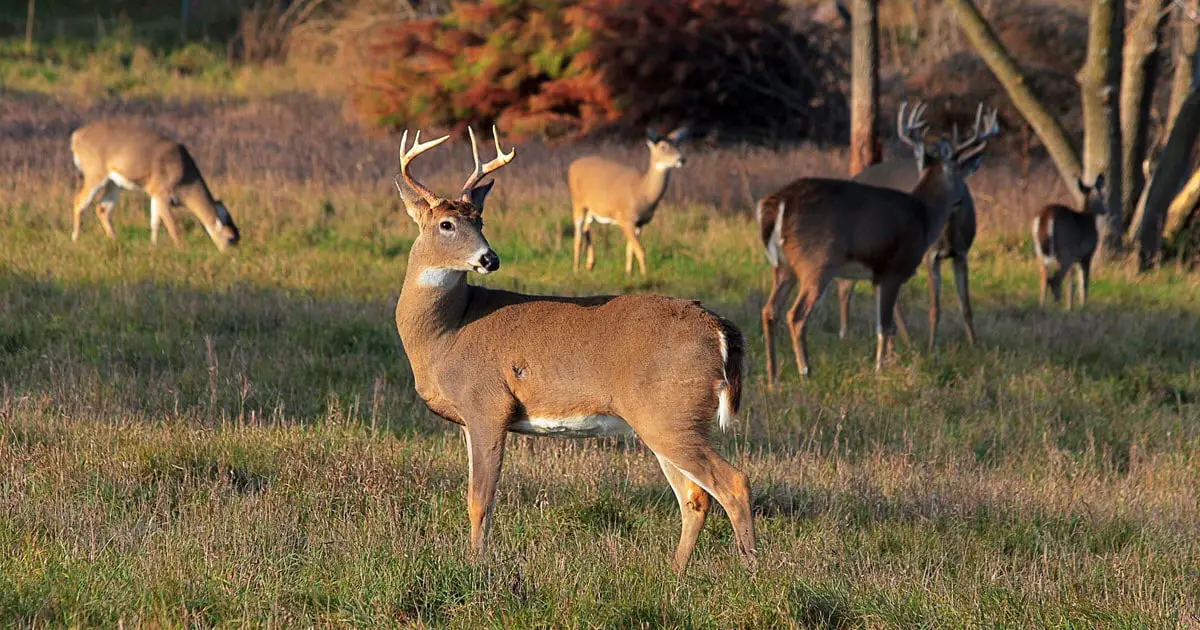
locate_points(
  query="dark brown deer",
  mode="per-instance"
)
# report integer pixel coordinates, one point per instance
(957, 237)
(816, 229)
(1063, 238)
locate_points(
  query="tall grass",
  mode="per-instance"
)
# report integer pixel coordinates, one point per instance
(188, 438)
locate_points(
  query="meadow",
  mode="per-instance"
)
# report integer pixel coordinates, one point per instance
(195, 439)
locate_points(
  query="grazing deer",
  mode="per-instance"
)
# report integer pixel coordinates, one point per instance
(495, 361)
(1063, 237)
(603, 191)
(113, 155)
(816, 229)
(956, 239)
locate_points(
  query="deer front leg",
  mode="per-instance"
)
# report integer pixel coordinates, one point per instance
(1043, 283)
(935, 296)
(161, 207)
(1085, 267)
(845, 289)
(887, 290)
(485, 455)
(633, 244)
(964, 295)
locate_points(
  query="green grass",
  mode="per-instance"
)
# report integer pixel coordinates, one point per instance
(188, 438)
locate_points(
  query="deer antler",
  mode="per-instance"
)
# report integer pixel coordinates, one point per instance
(500, 160)
(986, 126)
(406, 158)
(915, 123)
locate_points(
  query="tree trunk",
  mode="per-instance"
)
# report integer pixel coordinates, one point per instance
(1137, 86)
(1172, 169)
(1092, 83)
(1001, 63)
(1111, 228)
(1185, 57)
(864, 92)
(29, 30)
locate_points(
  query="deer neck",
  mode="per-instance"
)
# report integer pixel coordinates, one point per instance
(654, 184)
(199, 200)
(430, 309)
(936, 190)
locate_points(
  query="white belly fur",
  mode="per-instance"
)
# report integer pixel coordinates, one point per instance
(573, 427)
(117, 179)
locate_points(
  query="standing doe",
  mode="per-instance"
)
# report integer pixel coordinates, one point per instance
(816, 229)
(1063, 238)
(113, 155)
(604, 191)
(495, 361)
(956, 239)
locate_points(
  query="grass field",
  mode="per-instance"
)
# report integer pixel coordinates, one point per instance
(188, 438)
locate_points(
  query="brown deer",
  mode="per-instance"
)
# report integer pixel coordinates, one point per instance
(113, 155)
(1063, 238)
(816, 229)
(495, 362)
(604, 191)
(956, 239)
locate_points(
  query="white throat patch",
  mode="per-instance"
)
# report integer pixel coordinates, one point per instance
(439, 278)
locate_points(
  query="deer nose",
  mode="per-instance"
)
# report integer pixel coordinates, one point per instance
(489, 261)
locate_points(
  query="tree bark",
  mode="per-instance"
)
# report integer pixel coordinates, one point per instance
(865, 146)
(29, 30)
(1172, 169)
(1111, 228)
(1185, 57)
(1137, 85)
(1092, 83)
(1001, 63)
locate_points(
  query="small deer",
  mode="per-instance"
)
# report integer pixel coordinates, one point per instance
(496, 362)
(816, 229)
(1063, 238)
(604, 191)
(113, 155)
(956, 239)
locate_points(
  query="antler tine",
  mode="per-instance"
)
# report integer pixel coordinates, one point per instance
(914, 123)
(985, 127)
(406, 158)
(483, 170)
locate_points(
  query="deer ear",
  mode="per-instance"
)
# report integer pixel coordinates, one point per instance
(679, 135)
(1099, 185)
(478, 194)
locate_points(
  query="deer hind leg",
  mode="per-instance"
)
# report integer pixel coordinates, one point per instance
(887, 290)
(485, 456)
(782, 280)
(83, 199)
(1055, 282)
(579, 237)
(703, 466)
(160, 210)
(112, 194)
(693, 509)
(935, 296)
(588, 244)
(900, 325)
(961, 283)
(810, 292)
(845, 289)
(1043, 283)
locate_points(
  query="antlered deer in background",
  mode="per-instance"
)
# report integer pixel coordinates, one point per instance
(495, 361)
(816, 229)
(113, 155)
(956, 239)
(1063, 238)
(604, 191)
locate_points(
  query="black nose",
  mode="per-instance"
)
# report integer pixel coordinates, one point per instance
(490, 261)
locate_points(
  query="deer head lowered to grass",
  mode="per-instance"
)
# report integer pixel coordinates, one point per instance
(492, 361)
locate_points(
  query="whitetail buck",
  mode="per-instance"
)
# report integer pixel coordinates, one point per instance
(816, 229)
(113, 155)
(1063, 238)
(957, 237)
(495, 361)
(604, 191)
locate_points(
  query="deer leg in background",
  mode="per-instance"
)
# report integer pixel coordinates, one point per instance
(485, 455)
(935, 295)
(811, 288)
(693, 508)
(1055, 282)
(959, 263)
(900, 325)
(112, 194)
(83, 199)
(782, 281)
(845, 289)
(887, 290)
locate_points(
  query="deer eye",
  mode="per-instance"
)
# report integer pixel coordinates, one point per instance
(447, 226)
